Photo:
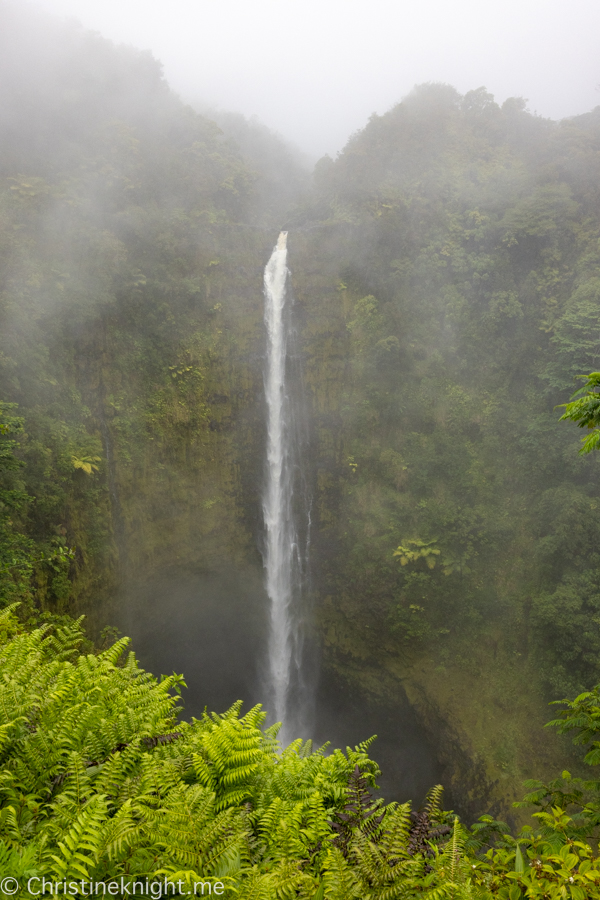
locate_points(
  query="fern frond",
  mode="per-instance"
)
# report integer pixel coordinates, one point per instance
(78, 850)
(433, 801)
(114, 653)
(340, 881)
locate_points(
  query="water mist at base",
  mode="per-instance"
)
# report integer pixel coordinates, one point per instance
(283, 558)
(213, 628)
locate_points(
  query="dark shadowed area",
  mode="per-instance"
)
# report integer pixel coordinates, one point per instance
(212, 628)
(403, 751)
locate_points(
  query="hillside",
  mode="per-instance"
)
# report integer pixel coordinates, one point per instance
(457, 301)
(445, 273)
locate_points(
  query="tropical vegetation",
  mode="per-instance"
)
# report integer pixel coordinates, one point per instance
(446, 285)
(102, 781)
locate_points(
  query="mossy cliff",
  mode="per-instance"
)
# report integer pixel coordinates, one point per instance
(132, 271)
(449, 295)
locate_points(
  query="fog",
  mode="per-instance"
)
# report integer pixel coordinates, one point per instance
(220, 646)
(442, 300)
(316, 71)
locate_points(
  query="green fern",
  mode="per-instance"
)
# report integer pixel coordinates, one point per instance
(78, 848)
(99, 779)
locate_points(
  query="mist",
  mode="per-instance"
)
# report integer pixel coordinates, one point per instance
(442, 298)
(315, 72)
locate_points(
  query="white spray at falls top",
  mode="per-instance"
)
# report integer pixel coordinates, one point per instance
(281, 545)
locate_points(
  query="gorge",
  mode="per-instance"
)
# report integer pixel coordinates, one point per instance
(446, 294)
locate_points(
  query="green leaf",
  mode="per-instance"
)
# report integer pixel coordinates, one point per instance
(519, 862)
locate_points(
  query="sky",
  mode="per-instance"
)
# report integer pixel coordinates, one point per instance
(315, 70)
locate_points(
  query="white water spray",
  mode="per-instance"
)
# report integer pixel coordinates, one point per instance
(281, 541)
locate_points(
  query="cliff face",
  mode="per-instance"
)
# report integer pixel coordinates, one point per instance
(131, 285)
(445, 274)
(449, 295)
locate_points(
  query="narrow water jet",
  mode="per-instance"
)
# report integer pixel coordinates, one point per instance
(281, 555)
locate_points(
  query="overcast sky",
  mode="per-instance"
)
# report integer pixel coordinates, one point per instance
(315, 70)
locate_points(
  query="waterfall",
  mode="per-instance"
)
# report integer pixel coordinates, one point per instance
(282, 559)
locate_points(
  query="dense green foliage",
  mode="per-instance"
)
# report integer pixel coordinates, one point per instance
(100, 779)
(465, 238)
(124, 216)
(445, 270)
(585, 411)
(15, 548)
(450, 296)
(25, 564)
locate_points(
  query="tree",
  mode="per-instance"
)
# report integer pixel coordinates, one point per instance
(585, 411)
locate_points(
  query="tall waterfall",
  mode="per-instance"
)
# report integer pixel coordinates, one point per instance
(283, 561)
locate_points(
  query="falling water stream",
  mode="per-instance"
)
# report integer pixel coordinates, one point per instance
(281, 543)
(174, 611)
